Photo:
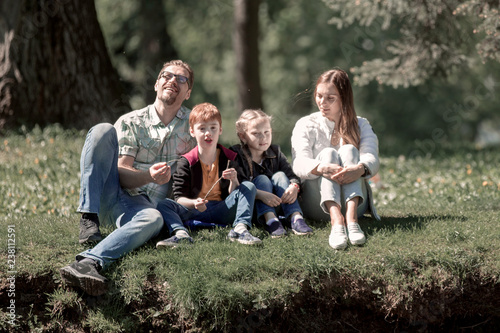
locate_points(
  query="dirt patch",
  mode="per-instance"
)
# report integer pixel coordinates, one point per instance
(339, 304)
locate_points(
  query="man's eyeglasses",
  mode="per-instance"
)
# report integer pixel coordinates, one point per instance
(168, 76)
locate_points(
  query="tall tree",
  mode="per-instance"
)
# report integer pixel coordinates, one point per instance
(139, 42)
(433, 36)
(54, 66)
(246, 48)
(156, 45)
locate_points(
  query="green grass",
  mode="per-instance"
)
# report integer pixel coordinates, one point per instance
(432, 258)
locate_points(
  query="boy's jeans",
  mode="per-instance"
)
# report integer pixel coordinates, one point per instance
(236, 208)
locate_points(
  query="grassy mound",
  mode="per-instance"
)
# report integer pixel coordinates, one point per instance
(431, 264)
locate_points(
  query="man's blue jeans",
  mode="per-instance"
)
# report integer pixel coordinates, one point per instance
(277, 185)
(136, 218)
(236, 208)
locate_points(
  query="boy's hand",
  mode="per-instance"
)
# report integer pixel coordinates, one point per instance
(290, 194)
(230, 174)
(270, 199)
(199, 204)
(160, 173)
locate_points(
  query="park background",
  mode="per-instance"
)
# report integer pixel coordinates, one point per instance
(426, 74)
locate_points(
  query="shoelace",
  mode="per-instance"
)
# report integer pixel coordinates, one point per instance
(339, 230)
(353, 227)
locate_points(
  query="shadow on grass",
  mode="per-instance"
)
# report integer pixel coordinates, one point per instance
(405, 223)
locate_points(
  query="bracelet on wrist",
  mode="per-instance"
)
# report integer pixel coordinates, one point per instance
(366, 171)
(296, 185)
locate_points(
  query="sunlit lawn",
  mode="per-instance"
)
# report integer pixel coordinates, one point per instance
(439, 228)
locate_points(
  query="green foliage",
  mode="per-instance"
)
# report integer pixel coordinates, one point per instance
(297, 43)
(487, 24)
(435, 37)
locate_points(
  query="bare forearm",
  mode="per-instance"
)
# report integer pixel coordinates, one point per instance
(233, 184)
(133, 178)
(186, 202)
(260, 195)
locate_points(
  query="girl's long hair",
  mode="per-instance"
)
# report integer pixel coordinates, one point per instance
(348, 127)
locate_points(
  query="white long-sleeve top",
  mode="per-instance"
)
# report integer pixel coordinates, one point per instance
(312, 134)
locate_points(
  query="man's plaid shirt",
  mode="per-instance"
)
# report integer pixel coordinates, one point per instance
(142, 135)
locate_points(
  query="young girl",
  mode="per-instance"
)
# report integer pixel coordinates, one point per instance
(267, 167)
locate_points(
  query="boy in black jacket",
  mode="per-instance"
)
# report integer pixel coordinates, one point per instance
(206, 187)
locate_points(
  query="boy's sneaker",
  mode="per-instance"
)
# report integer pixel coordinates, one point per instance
(338, 237)
(243, 238)
(356, 235)
(275, 229)
(299, 227)
(85, 277)
(89, 228)
(173, 242)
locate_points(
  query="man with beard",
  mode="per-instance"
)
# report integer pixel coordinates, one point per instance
(125, 171)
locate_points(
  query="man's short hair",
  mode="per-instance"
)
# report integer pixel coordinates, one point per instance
(204, 112)
(182, 64)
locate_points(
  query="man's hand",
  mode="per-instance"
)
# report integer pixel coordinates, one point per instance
(160, 173)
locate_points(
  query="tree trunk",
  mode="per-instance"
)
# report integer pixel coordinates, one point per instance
(54, 67)
(156, 45)
(246, 49)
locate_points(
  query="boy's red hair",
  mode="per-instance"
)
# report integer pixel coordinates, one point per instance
(204, 112)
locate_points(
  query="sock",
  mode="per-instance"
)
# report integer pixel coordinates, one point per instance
(92, 262)
(90, 216)
(271, 220)
(296, 217)
(240, 228)
(181, 233)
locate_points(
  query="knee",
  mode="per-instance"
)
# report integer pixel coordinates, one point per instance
(167, 206)
(349, 154)
(349, 148)
(104, 132)
(248, 187)
(280, 176)
(152, 219)
(329, 155)
(262, 182)
(164, 204)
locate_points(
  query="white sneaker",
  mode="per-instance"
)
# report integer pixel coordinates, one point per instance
(338, 237)
(356, 235)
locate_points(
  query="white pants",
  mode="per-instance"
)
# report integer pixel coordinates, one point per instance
(316, 192)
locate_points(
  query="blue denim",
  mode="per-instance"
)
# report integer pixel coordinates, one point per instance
(236, 208)
(136, 218)
(277, 185)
